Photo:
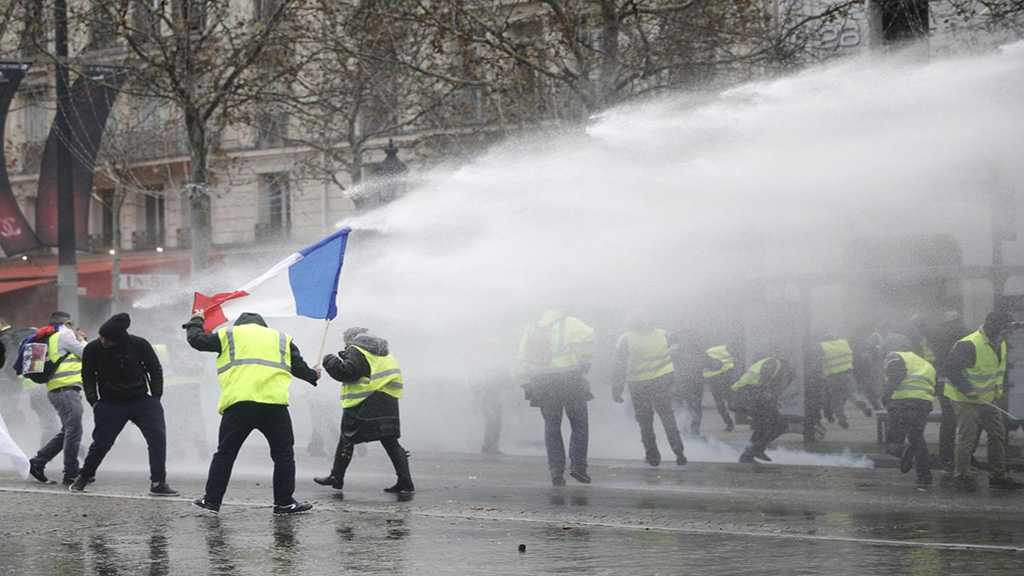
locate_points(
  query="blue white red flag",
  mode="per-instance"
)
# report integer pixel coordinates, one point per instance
(313, 275)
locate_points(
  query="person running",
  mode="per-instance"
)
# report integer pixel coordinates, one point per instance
(123, 382)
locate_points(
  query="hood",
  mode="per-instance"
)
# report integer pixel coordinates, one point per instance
(373, 344)
(250, 318)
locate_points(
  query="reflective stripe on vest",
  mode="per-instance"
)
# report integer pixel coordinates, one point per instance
(837, 357)
(648, 355)
(919, 383)
(385, 376)
(254, 365)
(69, 370)
(987, 374)
(722, 354)
(752, 377)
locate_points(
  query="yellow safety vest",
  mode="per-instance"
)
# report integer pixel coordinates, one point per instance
(254, 365)
(570, 341)
(752, 377)
(648, 354)
(385, 376)
(987, 374)
(919, 383)
(838, 357)
(722, 354)
(69, 371)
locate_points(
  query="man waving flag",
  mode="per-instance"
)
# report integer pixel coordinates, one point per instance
(313, 274)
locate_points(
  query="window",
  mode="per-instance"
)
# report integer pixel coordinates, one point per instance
(274, 209)
(102, 24)
(37, 116)
(149, 221)
(191, 11)
(272, 129)
(34, 25)
(903, 20)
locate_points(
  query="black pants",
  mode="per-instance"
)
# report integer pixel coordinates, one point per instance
(237, 422)
(110, 418)
(767, 423)
(947, 433)
(908, 418)
(399, 459)
(653, 397)
(694, 396)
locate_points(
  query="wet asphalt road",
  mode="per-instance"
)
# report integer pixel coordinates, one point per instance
(471, 513)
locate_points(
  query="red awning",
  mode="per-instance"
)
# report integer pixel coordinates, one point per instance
(15, 285)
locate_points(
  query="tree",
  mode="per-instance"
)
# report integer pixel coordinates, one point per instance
(204, 57)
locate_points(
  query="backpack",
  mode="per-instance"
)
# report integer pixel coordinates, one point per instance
(41, 336)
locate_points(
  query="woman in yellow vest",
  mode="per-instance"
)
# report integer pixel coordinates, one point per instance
(908, 396)
(255, 366)
(976, 368)
(371, 385)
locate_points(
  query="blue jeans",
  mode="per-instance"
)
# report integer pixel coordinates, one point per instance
(576, 410)
(110, 418)
(68, 404)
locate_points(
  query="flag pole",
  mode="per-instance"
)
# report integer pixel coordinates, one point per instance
(323, 342)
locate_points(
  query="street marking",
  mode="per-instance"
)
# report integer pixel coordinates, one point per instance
(581, 523)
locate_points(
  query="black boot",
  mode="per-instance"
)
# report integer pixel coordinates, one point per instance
(330, 480)
(342, 458)
(400, 460)
(36, 470)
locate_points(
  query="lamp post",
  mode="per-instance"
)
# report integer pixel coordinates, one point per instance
(389, 170)
(67, 273)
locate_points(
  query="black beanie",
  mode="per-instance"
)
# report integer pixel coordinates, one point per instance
(116, 327)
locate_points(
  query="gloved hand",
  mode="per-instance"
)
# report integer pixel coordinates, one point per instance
(196, 320)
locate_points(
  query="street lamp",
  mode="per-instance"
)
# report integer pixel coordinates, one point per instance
(389, 171)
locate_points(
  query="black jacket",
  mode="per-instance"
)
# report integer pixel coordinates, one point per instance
(200, 340)
(349, 365)
(122, 373)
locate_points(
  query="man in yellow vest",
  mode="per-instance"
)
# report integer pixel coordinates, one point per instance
(643, 359)
(255, 366)
(554, 356)
(976, 369)
(64, 390)
(718, 370)
(908, 397)
(836, 361)
(758, 394)
(371, 386)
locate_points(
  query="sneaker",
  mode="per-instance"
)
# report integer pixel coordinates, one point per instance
(401, 487)
(747, 458)
(69, 480)
(681, 460)
(1005, 483)
(330, 480)
(653, 459)
(78, 484)
(906, 460)
(161, 489)
(293, 508)
(557, 481)
(210, 507)
(580, 476)
(965, 484)
(36, 470)
(760, 455)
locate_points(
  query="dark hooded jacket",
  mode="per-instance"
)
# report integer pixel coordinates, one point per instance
(377, 417)
(200, 340)
(125, 372)
(350, 364)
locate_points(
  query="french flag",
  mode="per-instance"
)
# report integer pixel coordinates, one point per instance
(313, 274)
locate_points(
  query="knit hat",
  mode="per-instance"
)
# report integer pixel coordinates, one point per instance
(116, 327)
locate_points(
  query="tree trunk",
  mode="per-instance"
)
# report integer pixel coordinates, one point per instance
(115, 245)
(197, 191)
(611, 28)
